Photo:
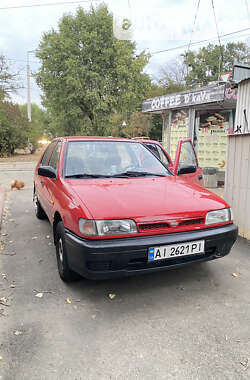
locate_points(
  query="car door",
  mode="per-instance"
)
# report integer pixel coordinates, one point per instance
(186, 163)
(52, 183)
(41, 182)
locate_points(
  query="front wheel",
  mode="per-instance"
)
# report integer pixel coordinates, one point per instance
(40, 214)
(65, 272)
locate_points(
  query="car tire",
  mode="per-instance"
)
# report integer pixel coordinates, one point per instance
(66, 274)
(40, 214)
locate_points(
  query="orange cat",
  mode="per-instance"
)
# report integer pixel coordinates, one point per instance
(17, 184)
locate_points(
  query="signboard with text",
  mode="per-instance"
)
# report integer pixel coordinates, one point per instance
(185, 99)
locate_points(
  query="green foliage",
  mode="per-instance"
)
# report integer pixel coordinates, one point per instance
(205, 65)
(13, 128)
(39, 126)
(139, 125)
(156, 130)
(88, 75)
(8, 83)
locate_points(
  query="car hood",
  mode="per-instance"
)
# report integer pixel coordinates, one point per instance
(144, 199)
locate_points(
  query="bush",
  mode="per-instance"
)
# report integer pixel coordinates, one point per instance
(13, 129)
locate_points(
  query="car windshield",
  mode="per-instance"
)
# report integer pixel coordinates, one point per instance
(110, 158)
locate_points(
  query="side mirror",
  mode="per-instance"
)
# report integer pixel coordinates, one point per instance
(47, 171)
(186, 169)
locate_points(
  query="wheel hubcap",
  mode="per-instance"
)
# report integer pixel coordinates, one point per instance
(60, 250)
(35, 202)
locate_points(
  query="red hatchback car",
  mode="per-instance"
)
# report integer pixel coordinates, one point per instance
(119, 208)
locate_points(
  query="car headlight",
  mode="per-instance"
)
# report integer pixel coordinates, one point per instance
(107, 227)
(219, 216)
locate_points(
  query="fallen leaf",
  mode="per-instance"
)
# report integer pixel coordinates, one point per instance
(112, 296)
(2, 247)
(34, 238)
(234, 275)
(17, 332)
(42, 291)
(12, 286)
(47, 236)
(68, 300)
(4, 300)
(8, 254)
(245, 363)
(50, 244)
(12, 220)
(4, 276)
(11, 241)
(4, 234)
(1, 358)
(39, 295)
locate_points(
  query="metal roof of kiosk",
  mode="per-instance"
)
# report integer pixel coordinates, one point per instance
(211, 97)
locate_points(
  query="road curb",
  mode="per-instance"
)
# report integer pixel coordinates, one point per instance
(2, 194)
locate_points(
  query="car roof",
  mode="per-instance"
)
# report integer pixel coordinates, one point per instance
(147, 141)
(103, 138)
(93, 138)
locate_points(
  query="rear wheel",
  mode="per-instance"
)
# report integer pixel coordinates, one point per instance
(40, 214)
(65, 272)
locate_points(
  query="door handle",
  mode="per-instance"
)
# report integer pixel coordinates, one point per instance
(200, 177)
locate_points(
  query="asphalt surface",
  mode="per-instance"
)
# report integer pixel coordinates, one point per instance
(190, 323)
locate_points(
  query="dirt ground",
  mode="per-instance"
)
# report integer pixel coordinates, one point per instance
(21, 155)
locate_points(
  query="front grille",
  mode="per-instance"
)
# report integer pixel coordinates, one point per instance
(153, 226)
(164, 225)
(188, 222)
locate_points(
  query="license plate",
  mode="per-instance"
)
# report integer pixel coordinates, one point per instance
(176, 250)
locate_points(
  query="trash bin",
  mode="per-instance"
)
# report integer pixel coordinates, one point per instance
(210, 177)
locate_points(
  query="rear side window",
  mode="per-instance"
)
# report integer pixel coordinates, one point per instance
(47, 153)
(158, 152)
(54, 159)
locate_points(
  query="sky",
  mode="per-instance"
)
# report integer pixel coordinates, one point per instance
(156, 25)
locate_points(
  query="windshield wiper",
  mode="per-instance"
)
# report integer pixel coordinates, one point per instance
(131, 173)
(126, 174)
(85, 175)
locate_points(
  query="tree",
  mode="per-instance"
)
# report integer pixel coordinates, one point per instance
(13, 128)
(205, 65)
(39, 126)
(8, 83)
(87, 74)
(173, 75)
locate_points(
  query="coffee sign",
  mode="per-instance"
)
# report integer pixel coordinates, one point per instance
(185, 99)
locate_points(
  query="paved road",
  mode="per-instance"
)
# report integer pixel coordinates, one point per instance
(190, 323)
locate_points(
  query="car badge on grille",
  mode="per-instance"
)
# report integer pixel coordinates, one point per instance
(174, 224)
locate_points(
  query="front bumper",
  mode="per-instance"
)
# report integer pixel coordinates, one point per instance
(113, 258)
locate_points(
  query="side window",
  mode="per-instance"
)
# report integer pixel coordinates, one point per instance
(187, 155)
(163, 156)
(158, 152)
(153, 149)
(47, 153)
(54, 159)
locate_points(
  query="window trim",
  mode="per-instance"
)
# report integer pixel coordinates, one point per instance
(52, 143)
(57, 143)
